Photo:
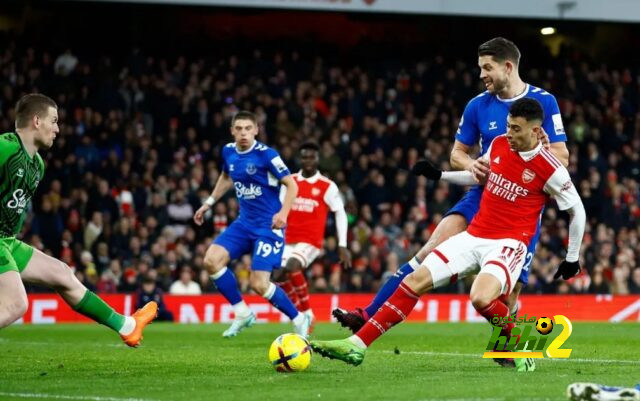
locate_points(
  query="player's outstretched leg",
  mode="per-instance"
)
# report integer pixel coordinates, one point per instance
(356, 318)
(451, 225)
(393, 311)
(45, 270)
(598, 392)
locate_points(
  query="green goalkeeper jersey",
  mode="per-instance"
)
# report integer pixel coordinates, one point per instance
(20, 175)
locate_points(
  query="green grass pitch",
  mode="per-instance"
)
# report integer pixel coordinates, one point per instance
(193, 362)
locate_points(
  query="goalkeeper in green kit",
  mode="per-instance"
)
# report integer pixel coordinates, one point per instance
(21, 169)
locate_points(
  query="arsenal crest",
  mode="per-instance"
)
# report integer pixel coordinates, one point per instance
(528, 176)
(315, 192)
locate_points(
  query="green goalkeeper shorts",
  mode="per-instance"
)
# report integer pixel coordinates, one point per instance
(14, 254)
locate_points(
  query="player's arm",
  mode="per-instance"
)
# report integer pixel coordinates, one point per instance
(553, 136)
(223, 184)
(559, 150)
(427, 169)
(461, 160)
(334, 201)
(562, 189)
(280, 218)
(466, 136)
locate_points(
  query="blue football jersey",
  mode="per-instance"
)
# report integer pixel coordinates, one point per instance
(256, 175)
(485, 117)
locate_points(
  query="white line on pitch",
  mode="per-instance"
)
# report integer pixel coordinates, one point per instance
(71, 397)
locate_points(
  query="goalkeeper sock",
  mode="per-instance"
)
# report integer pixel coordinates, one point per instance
(391, 286)
(227, 285)
(392, 312)
(93, 307)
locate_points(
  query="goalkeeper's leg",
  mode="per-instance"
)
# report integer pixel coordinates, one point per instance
(46, 270)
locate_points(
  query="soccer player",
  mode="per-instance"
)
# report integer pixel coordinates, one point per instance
(598, 392)
(256, 172)
(306, 224)
(21, 169)
(523, 174)
(484, 118)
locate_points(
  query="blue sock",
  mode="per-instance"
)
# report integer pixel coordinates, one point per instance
(390, 287)
(227, 285)
(280, 300)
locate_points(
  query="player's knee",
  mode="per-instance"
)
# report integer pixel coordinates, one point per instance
(21, 306)
(293, 265)
(213, 262)
(419, 281)
(15, 309)
(479, 299)
(259, 286)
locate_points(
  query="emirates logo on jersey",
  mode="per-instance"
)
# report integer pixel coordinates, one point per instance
(304, 205)
(504, 188)
(528, 176)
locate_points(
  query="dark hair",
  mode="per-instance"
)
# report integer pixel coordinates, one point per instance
(528, 108)
(310, 146)
(244, 115)
(30, 105)
(500, 49)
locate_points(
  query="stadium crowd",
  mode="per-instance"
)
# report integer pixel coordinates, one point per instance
(139, 150)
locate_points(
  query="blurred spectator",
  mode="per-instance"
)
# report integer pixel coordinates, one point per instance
(150, 292)
(185, 284)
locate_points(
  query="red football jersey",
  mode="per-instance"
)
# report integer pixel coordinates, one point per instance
(308, 216)
(517, 189)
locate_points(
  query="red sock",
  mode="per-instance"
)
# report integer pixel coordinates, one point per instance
(301, 289)
(497, 307)
(392, 312)
(287, 287)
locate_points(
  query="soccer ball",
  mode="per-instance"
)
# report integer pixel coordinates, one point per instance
(544, 325)
(290, 353)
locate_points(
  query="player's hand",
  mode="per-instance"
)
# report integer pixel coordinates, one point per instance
(198, 217)
(480, 169)
(544, 138)
(427, 169)
(279, 220)
(345, 257)
(567, 270)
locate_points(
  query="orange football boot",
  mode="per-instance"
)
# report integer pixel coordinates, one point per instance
(143, 317)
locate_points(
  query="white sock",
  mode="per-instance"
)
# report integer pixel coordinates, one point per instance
(241, 310)
(271, 290)
(128, 326)
(299, 319)
(414, 262)
(219, 274)
(357, 341)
